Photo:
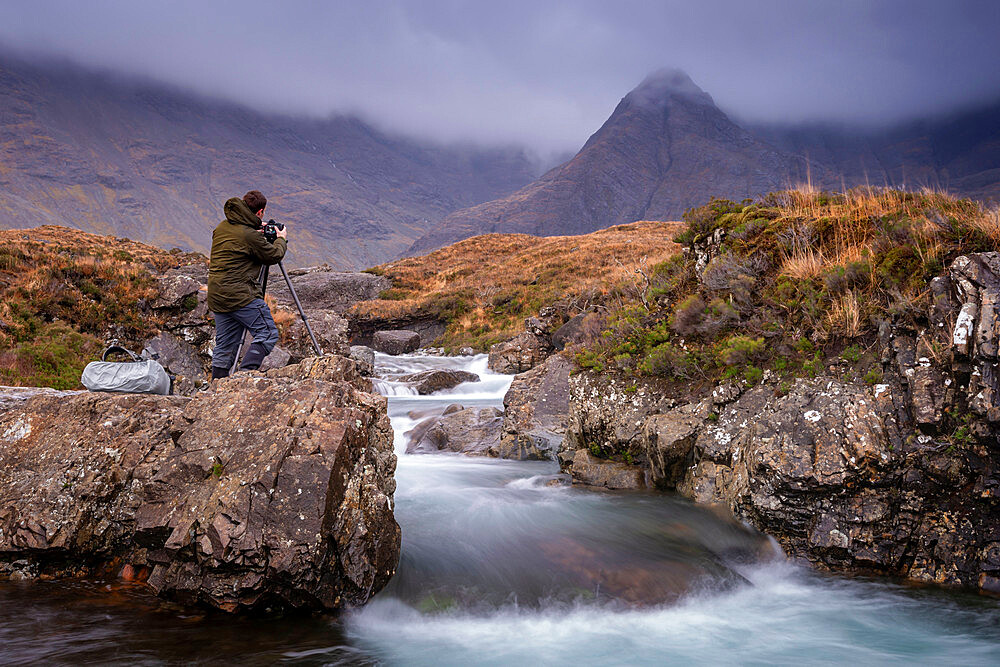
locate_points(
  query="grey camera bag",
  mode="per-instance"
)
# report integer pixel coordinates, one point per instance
(139, 376)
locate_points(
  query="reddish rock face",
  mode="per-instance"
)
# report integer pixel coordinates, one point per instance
(269, 490)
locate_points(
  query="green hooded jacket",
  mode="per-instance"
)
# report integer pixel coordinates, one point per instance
(239, 249)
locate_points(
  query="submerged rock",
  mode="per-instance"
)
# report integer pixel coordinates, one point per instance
(474, 431)
(269, 490)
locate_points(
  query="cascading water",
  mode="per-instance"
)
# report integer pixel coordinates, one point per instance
(499, 566)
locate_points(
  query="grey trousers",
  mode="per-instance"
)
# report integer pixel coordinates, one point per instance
(254, 317)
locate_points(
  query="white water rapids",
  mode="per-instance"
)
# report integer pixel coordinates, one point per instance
(500, 568)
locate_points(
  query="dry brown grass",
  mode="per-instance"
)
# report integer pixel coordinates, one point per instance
(63, 292)
(485, 286)
(845, 315)
(803, 264)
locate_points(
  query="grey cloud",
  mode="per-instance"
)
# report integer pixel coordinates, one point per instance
(543, 74)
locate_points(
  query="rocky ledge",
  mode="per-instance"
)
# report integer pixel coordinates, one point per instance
(269, 490)
(899, 478)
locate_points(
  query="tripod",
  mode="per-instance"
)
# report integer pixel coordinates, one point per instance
(262, 279)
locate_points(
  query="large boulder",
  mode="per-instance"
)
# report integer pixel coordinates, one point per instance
(396, 341)
(325, 289)
(474, 431)
(428, 382)
(536, 411)
(269, 490)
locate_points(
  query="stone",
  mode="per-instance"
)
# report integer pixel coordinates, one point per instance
(428, 382)
(536, 411)
(365, 358)
(172, 290)
(13, 397)
(519, 354)
(669, 440)
(176, 356)
(474, 431)
(329, 328)
(399, 341)
(610, 411)
(268, 490)
(322, 288)
(580, 328)
(612, 475)
(278, 357)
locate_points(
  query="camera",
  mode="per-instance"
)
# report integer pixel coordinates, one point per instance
(271, 229)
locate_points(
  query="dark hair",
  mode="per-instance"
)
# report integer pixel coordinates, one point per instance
(255, 200)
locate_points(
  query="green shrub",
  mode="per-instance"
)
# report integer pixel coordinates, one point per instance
(739, 349)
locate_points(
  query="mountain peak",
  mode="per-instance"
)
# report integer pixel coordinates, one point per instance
(659, 86)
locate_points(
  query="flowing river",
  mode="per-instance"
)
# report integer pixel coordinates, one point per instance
(503, 563)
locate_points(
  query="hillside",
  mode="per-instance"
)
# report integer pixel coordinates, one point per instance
(782, 283)
(138, 159)
(484, 287)
(667, 148)
(64, 292)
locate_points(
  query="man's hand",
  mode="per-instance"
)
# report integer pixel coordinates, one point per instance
(283, 233)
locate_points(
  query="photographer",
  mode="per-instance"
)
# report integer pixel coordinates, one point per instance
(239, 250)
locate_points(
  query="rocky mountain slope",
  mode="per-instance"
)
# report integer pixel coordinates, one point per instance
(141, 160)
(667, 148)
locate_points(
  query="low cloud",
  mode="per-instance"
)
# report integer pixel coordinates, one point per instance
(545, 75)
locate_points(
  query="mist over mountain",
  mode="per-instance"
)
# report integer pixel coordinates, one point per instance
(668, 147)
(144, 160)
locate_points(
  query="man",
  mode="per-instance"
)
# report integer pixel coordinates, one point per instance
(239, 250)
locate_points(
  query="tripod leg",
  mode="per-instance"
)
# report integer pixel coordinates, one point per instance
(302, 314)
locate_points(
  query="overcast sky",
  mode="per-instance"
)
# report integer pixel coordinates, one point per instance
(543, 74)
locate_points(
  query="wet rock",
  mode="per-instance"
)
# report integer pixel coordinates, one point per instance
(536, 411)
(592, 471)
(428, 382)
(322, 288)
(399, 341)
(474, 431)
(669, 440)
(519, 354)
(365, 358)
(267, 490)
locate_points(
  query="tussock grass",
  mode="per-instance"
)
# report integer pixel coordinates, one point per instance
(484, 287)
(804, 271)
